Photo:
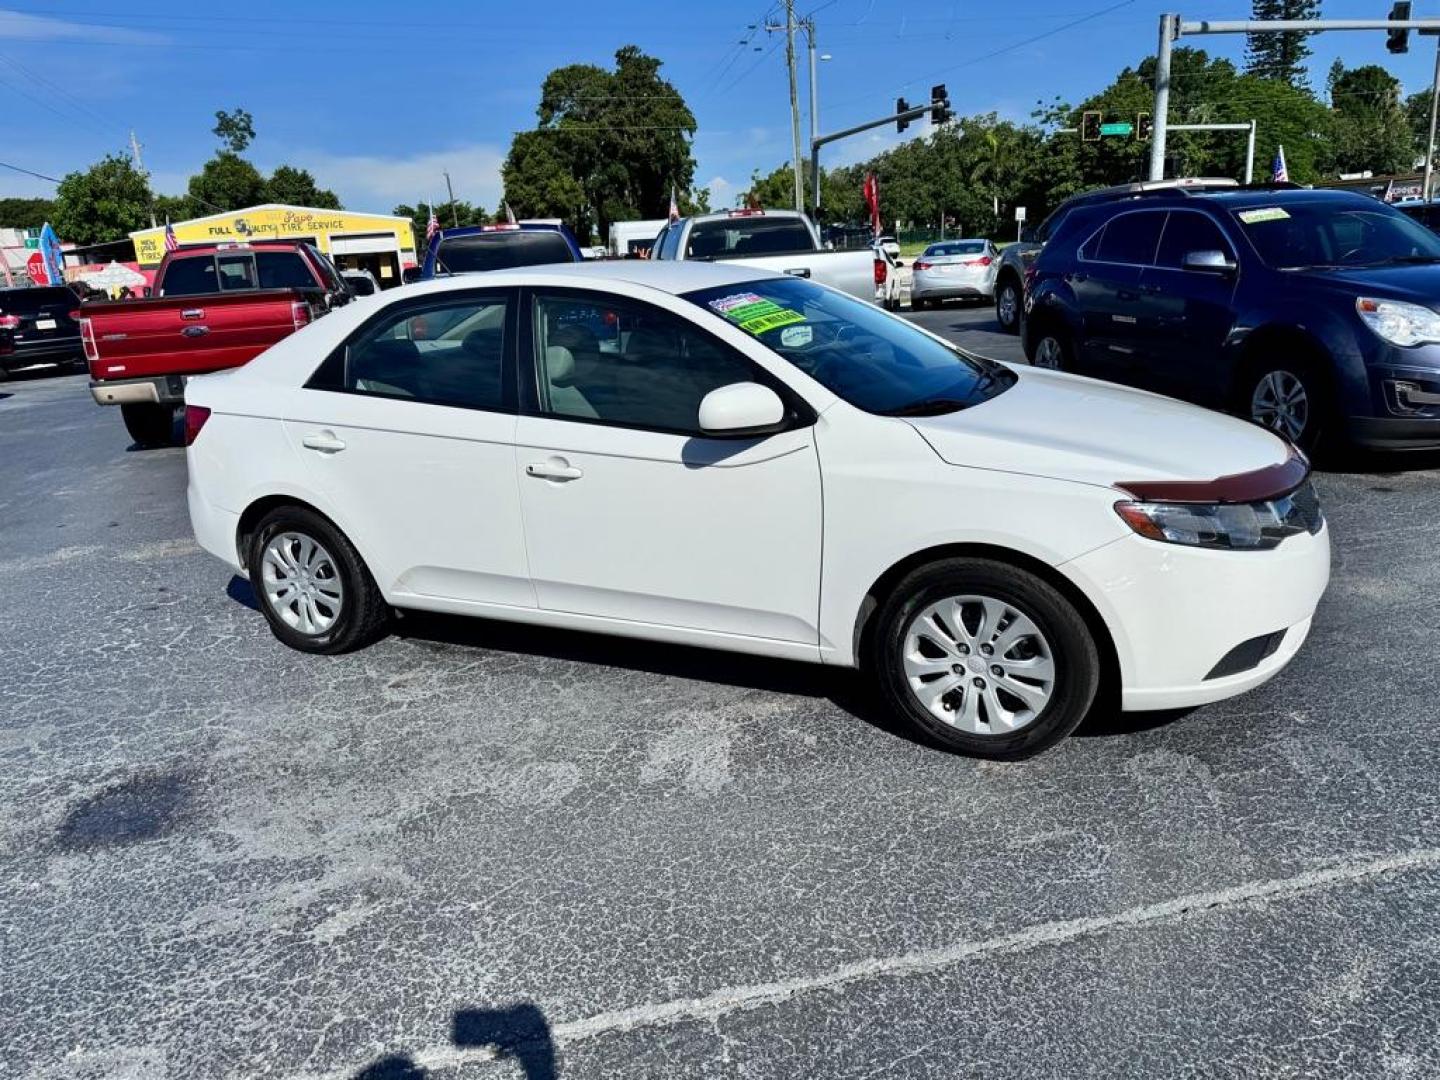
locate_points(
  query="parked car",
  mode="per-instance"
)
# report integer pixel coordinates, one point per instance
(954, 270)
(472, 249)
(1016, 259)
(38, 325)
(360, 282)
(1426, 212)
(1311, 312)
(783, 240)
(719, 456)
(634, 239)
(212, 307)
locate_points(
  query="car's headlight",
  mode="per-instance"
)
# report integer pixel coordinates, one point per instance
(1398, 322)
(1256, 526)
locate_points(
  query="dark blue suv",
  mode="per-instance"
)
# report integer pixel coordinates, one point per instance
(1311, 312)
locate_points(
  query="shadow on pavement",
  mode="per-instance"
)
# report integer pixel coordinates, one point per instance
(519, 1032)
(242, 592)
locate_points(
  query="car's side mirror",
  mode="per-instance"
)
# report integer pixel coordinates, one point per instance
(743, 408)
(1208, 262)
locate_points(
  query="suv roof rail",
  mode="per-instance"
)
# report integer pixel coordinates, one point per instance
(1183, 184)
(1274, 185)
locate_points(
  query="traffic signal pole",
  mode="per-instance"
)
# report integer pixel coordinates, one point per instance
(1172, 29)
(1425, 191)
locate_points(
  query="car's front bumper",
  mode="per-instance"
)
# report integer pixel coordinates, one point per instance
(1176, 612)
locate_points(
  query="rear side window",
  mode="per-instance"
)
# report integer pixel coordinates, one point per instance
(283, 270)
(1188, 231)
(1130, 239)
(194, 276)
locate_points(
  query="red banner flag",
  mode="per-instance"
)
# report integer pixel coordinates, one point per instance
(871, 190)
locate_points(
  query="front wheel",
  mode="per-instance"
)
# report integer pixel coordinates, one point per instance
(1290, 400)
(149, 425)
(1007, 307)
(1051, 350)
(984, 658)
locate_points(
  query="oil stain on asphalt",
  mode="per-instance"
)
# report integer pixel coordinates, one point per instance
(141, 808)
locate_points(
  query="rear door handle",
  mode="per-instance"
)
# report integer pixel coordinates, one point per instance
(324, 441)
(554, 469)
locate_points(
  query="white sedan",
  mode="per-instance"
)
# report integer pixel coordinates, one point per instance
(705, 454)
(954, 270)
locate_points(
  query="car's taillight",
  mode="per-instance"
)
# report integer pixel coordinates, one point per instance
(300, 314)
(982, 261)
(919, 265)
(9, 322)
(87, 340)
(881, 270)
(74, 313)
(195, 417)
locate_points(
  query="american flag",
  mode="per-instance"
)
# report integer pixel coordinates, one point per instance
(674, 206)
(432, 226)
(171, 244)
(1278, 173)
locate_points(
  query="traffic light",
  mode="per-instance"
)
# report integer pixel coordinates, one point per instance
(1142, 126)
(939, 104)
(900, 106)
(1090, 126)
(1398, 41)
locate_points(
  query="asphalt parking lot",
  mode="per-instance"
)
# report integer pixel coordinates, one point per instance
(482, 851)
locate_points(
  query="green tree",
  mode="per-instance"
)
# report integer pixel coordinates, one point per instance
(226, 182)
(1417, 114)
(296, 187)
(176, 208)
(448, 214)
(235, 129)
(1369, 128)
(609, 145)
(1280, 56)
(105, 202)
(16, 213)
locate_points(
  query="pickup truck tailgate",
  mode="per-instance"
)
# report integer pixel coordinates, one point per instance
(188, 334)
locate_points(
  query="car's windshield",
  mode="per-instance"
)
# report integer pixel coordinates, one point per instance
(500, 250)
(962, 247)
(1301, 236)
(874, 361)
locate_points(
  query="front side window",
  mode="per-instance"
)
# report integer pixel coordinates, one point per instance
(1316, 235)
(447, 352)
(1187, 231)
(875, 361)
(629, 364)
(283, 270)
(1129, 239)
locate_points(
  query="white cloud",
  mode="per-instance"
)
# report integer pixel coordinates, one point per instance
(720, 190)
(18, 26)
(375, 183)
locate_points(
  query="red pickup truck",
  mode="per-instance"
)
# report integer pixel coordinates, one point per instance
(211, 307)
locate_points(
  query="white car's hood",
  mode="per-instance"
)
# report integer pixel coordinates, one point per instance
(1071, 428)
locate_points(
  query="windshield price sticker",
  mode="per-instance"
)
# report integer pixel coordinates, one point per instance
(1269, 213)
(754, 314)
(795, 337)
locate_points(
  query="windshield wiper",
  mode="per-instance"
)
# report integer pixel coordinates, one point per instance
(928, 407)
(1406, 260)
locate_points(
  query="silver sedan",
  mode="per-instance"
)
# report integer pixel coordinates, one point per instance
(954, 270)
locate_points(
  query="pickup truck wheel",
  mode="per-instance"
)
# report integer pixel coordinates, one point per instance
(1007, 307)
(984, 658)
(150, 425)
(314, 589)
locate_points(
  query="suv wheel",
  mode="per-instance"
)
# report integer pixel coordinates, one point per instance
(984, 658)
(1052, 350)
(1007, 306)
(1290, 401)
(149, 425)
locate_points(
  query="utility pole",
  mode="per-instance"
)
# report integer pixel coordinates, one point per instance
(454, 213)
(794, 102)
(814, 109)
(1425, 191)
(1160, 117)
(140, 168)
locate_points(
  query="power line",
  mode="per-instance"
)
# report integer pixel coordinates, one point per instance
(28, 172)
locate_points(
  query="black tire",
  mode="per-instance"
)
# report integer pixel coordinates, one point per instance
(1317, 401)
(150, 425)
(1039, 343)
(1012, 325)
(1072, 651)
(362, 615)
(917, 305)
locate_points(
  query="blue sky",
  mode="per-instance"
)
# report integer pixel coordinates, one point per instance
(378, 98)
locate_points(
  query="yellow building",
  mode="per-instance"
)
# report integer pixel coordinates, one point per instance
(380, 243)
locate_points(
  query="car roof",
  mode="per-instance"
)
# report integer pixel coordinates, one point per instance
(675, 277)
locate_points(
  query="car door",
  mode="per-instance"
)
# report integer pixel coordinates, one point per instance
(1106, 283)
(408, 428)
(631, 512)
(1192, 312)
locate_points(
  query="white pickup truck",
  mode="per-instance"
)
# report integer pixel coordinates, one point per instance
(782, 240)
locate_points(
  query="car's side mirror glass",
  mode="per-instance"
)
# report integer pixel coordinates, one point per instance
(1208, 262)
(744, 408)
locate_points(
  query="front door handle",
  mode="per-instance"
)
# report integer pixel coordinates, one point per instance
(324, 441)
(556, 468)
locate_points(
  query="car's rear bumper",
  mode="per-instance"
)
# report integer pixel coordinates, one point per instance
(951, 290)
(216, 530)
(49, 351)
(1177, 614)
(156, 389)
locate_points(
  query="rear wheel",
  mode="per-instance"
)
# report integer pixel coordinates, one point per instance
(1290, 399)
(984, 658)
(1007, 306)
(313, 587)
(149, 425)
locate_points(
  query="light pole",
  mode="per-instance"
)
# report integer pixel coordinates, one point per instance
(809, 27)
(1430, 142)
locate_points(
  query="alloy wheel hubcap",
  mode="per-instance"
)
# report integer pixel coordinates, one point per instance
(1007, 305)
(1281, 404)
(978, 664)
(301, 583)
(1048, 354)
